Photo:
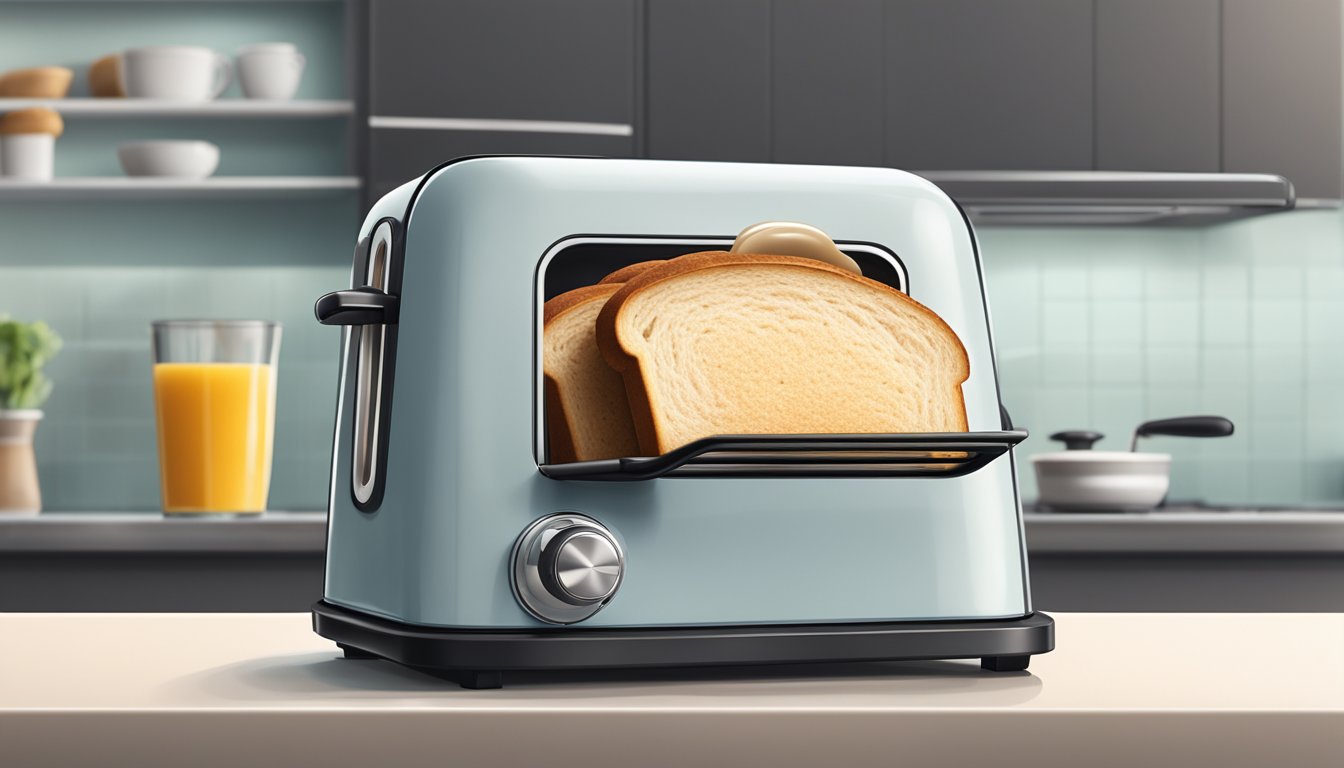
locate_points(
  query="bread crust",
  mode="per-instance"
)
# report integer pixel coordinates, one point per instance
(559, 433)
(568, 300)
(627, 273)
(621, 358)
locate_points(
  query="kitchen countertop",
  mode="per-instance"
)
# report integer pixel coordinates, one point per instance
(140, 532)
(262, 689)
(1186, 530)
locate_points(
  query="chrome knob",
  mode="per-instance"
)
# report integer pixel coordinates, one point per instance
(565, 568)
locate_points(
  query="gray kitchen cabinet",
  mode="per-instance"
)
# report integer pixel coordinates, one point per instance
(397, 156)
(1282, 92)
(504, 59)
(709, 80)
(827, 104)
(972, 84)
(1157, 81)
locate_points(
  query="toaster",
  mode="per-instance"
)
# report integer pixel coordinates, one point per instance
(456, 546)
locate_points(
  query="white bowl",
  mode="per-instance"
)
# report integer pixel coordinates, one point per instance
(169, 159)
(1102, 480)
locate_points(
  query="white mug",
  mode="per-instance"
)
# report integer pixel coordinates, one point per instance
(174, 73)
(270, 71)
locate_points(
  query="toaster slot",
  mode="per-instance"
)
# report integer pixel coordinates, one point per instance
(943, 454)
(369, 374)
(584, 260)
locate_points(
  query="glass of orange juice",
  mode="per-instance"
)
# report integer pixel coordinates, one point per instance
(214, 399)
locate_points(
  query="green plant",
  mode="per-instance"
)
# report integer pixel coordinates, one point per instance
(24, 349)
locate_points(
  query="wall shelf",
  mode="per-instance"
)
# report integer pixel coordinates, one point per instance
(114, 188)
(223, 108)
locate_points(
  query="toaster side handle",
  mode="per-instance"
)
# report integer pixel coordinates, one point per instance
(357, 306)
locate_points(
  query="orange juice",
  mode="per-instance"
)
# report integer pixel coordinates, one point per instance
(216, 426)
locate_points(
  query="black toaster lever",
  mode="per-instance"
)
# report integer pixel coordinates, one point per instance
(357, 306)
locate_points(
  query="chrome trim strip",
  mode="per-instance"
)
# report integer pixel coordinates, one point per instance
(506, 126)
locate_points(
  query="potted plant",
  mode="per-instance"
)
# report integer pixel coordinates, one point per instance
(24, 349)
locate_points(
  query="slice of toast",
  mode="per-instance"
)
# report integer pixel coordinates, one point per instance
(726, 343)
(587, 416)
(626, 273)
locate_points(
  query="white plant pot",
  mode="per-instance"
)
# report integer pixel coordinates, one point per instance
(28, 156)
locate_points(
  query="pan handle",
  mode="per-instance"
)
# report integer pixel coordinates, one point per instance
(1184, 426)
(357, 306)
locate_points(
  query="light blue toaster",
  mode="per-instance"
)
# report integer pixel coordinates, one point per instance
(454, 546)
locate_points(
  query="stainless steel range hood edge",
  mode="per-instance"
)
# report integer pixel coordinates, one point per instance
(1114, 197)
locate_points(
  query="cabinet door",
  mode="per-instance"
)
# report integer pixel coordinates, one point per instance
(827, 68)
(1281, 91)
(973, 84)
(397, 155)
(1157, 85)
(708, 80)
(504, 59)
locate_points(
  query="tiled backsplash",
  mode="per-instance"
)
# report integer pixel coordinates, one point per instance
(77, 267)
(1104, 328)
(1096, 328)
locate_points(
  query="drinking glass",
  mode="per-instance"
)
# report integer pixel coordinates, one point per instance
(214, 401)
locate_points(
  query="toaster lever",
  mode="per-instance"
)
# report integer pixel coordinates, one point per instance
(357, 306)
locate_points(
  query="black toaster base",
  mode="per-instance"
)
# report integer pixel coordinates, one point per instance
(477, 658)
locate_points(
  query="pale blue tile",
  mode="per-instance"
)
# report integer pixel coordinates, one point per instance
(1325, 365)
(1274, 401)
(1171, 365)
(1065, 324)
(1277, 282)
(1226, 282)
(1065, 368)
(1225, 322)
(1325, 323)
(1117, 364)
(1225, 366)
(1116, 281)
(1118, 321)
(1172, 400)
(1065, 281)
(1323, 481)
(1275, 482)
(1326, 282)
(1282, 365)
(1171, 321)
(1173, 279)
(1224, 480)
(1276, 322)
(1269, 437)
(1019, 370)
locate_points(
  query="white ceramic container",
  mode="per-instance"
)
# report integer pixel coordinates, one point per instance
(270, 71)
(174, 73)
(28, 156)
(169, 159)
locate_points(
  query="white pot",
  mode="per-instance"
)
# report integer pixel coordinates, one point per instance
(1102, 480)
(169, 159)
(29, 156)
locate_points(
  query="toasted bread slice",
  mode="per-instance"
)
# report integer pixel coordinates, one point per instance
(727, 343)
(587, 416)
(626, 273)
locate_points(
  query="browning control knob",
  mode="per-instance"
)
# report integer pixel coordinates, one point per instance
(565, 568)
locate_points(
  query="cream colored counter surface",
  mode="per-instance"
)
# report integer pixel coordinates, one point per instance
(204, 690)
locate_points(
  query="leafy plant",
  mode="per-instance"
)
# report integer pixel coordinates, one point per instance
(24, 349)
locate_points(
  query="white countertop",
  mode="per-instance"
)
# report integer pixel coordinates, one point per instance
(1127, 690)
